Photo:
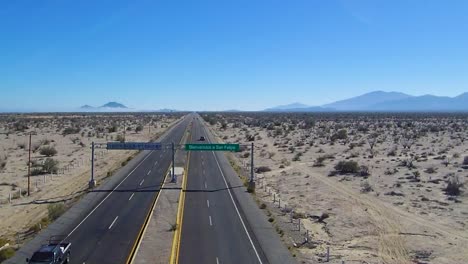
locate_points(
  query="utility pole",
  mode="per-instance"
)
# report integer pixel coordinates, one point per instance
(173, 178)
(251, 185)
(252, 163)
(29, 165)
(92, 182)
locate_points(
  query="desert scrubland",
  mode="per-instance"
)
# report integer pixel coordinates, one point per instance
(373, 188)
(60, 162)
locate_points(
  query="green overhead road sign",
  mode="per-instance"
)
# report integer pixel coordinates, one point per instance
(212, 147)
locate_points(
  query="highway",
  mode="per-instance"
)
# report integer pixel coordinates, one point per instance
(213, 230)
(108, 233)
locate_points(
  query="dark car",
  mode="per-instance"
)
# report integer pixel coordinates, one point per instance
(202, 138)
(55, 252)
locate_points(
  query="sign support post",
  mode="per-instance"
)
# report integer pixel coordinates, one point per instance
(92, 182)
(173, 177)
(251, 185)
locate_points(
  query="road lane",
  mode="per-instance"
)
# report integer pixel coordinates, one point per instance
(222, 238)
(93, 241)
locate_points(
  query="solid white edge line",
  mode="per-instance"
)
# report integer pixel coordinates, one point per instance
(113, 222)
(234, 203)
(131, 196)
(105, 198)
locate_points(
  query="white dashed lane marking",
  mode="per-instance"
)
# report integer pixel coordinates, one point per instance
(113, 222)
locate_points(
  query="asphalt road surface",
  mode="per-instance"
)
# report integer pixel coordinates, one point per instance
(212, 229)
(109, 233)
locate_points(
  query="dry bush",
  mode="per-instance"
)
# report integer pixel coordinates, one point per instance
(347, 167)
(366, 187)
(262, 169)
(364, 171)
(71, 130)
(48, 151)
(55, 210)
(453, 187)
(50, 165)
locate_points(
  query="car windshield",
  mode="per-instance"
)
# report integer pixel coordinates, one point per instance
(42, 257)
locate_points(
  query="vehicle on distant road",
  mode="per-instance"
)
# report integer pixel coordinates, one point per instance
(202, 138)
(55, 252)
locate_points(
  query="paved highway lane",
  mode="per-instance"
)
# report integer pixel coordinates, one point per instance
(212, 229)
(109, 233)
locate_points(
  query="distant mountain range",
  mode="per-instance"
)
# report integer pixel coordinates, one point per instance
(385, 101)
(111, 105)
(118, 107)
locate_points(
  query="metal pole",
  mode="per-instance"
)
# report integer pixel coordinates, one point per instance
(92, 183)
(29, 164)
(252, 163)
(173, 179)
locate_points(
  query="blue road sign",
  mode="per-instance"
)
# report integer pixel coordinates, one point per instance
(134, 145)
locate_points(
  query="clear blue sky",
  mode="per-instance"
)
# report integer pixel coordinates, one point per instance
(214, 55)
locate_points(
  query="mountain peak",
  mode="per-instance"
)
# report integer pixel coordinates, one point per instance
(295, 105)
(86, 107)
(366, 100)
(114, 105)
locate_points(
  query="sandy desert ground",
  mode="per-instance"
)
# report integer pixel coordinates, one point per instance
(64, 175)
(401, 199)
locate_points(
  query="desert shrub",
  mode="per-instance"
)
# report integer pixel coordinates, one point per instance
(35, 147)
(21, 145)
(364, 171)
(44, 141)
(20, 126)
(263, 206)
(262, 169)
(71, 130)
(407, 163)
(6, 254)
(271, 154)
(120, 138)
(341, 134)
(347, 166)
(245, 155)
(297, 157)
(431, 170)
(453, 186)
(50, 165)
(299, 143)
(392, 153)
(112, 129)
(48, 151)
(2, 164)
(139, 128)
(318, 162)
(366, 187)
(37, 171)
(249, 138)
(285, 162)
(55, 210)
